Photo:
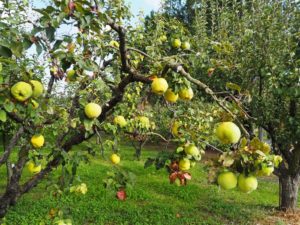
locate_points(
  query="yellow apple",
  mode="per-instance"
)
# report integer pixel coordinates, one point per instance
(176, 43)
(186, 45)
(82, 188)
(184, 164)
(227, 180)
(37, 88)
(63, 222)
(92, 110)
(32, 168)
(37, 141)
(192, 150)
(120, 120)
(144, 121)
(21, 91)
(247, 184)
(228, 133)
(174, 128)
(186, 93)
(170, 96)
(159, 86)
(115, 159)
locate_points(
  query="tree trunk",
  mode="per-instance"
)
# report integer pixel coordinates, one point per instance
(288, 191)
(6, 201)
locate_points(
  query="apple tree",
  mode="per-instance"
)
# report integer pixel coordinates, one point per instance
(248, 53)
(59, 90)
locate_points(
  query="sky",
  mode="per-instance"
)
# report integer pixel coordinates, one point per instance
(136, 5)
(146, 5)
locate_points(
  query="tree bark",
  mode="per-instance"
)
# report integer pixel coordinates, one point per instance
(288, 191)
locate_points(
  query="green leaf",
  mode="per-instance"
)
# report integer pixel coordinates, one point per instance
(57, 44)
(39, 48)
(5, 52)
(50, 32)
(17, 49)
(179, 149)
(149, 163)
(3, 116)
(9, 106)
(233, 86)
(88, 124)
(26, 43)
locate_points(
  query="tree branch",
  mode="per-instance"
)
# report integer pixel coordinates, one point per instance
(179, 69)
(11, 145)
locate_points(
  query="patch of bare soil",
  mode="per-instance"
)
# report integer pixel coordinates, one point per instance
(281, 218)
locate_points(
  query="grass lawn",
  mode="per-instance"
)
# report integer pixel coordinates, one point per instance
(152, 200)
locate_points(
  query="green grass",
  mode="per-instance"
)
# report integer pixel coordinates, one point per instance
(152, 200)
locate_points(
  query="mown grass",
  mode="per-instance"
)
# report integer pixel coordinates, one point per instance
(152, 200)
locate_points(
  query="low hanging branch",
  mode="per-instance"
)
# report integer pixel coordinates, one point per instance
(179, 69)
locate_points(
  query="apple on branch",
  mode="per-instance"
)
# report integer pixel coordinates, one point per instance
(21, 91)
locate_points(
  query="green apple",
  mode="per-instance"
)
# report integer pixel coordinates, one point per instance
(37, 88)
(92, 110)
(247, 184)
(170, 96)
(186, 94)
(266, 170)
(184, 164)
(120, 120)
(227, 180)
(176, 43)
(159, 86)
(192, 150)
(186, 45)
(163, 38)
(177, 182)
(71, 75)
(228, 133)
(21, 91)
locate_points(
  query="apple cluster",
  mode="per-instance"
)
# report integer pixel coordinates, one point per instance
(22, 91)
(160, 86)
(249, 160)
